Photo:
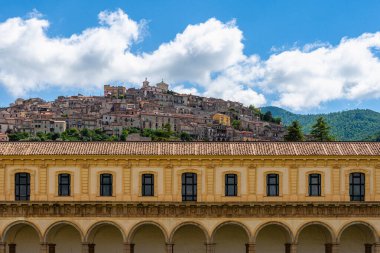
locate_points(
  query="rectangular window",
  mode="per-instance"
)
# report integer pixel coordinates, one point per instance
(231, 185)
(189, 187)
(314, 184)
(64, 184)
(272, 185)
(148, 185)
(357, 186)
(106, 185)
(22, 186)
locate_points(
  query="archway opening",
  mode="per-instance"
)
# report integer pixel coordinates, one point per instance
(314, 238)
(23, 237)
(65, 238)
(355, 238)
(106, 238)
(149, 238)
(230, 238)
(272, 239)
(189, 238)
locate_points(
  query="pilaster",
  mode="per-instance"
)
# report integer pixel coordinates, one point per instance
(376, 247)
(210, 247)
(2, 182)
(84, 175)
(169, 248)
(129, 248)
(293, 182)
(44, 248)
(127, 182)
(2, 247)
(377, 182)
(210, 184)
(250, 248)
(43, 182)
(168, 182)
(252, 184)
(335, 181)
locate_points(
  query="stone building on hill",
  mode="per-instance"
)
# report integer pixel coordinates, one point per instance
(173, 197)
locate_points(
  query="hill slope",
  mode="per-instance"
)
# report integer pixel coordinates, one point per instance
(352, 125)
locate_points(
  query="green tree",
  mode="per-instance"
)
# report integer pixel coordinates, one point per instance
(294, 132)
(236, 124)
(124, 135)
(185, 137)
(321, 131)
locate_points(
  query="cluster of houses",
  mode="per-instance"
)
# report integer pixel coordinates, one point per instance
(153, 107)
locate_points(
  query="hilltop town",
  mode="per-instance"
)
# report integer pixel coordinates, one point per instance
(135, 110)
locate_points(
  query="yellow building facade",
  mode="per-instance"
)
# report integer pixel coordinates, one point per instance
(222, 119)
(189, 197)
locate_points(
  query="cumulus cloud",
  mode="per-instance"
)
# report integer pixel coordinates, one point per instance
(209, 56)
(317, 74)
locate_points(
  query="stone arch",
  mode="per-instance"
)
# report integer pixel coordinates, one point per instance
(23, 235)
(236, 223)
(104, 223)
(134, 229)
(230, 236)
(363, 223)
(21, 222)
(148, 236)
(357, 236)
(317, 223)
(187, 223)
(276, 223)
(58, 223)
(314, 237)
(272, 237)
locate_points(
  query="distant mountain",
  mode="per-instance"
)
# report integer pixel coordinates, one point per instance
(352, 125)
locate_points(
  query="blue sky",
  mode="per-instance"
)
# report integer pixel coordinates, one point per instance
(267, 28)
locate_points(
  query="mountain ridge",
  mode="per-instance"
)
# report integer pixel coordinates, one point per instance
(350, 125)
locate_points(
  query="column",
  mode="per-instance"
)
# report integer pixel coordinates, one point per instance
(293, 248)
(129, 247)
(368, 248)
(2, 247)
(210, 247)
(376, 248)
(332, 248)
(250, 248)
(51, 248)
(12, 248)
(91, 248)
(44, 248)
(170, 248)
(88, 248)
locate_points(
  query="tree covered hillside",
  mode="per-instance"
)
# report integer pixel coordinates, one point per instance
(352, 125)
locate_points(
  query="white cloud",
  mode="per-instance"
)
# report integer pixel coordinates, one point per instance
(317, 74)
(208, 55)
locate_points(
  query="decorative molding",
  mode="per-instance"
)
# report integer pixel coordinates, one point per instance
(189, 210)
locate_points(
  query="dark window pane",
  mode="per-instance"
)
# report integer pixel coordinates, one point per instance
(189, 187)
(357, 186)
(105, 185)
(22, 186)
(272, 185)
(147, 185)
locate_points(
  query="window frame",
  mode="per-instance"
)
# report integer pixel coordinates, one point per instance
(233, 186)
(102, 184)
(361, 185)
(193, 185)
(276, 184)
(18, 185)
(144, 191)
(318, 176)
(61, 185)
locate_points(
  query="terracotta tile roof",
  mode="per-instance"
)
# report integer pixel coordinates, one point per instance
(191, 148)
